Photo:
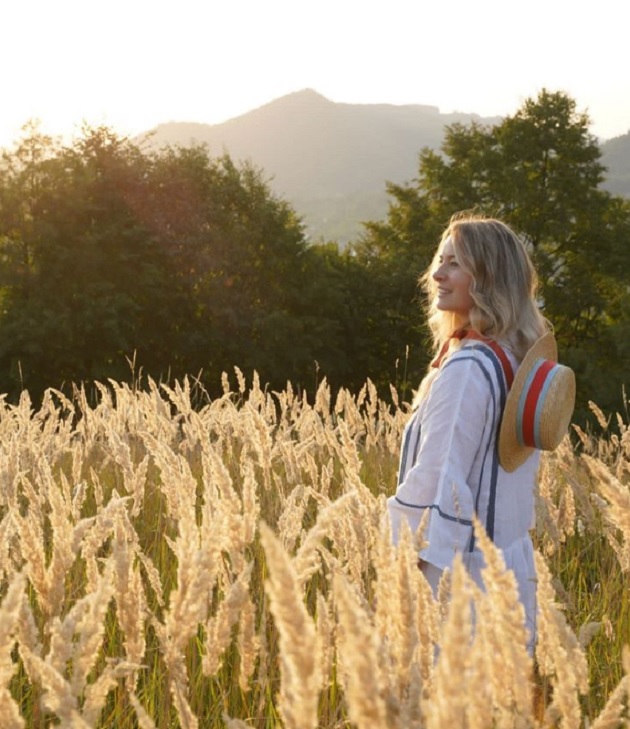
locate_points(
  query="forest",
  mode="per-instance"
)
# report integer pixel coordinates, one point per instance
(125, 262)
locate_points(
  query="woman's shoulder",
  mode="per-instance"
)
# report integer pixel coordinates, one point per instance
(468, 383)
(489, 360)
(481, 352)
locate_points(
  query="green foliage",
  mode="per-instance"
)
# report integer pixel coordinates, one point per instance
(187, 264)
(109, 253)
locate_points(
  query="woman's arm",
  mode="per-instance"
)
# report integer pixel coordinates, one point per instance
(453, 428)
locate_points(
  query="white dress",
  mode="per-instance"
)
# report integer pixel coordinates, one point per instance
(449, 465)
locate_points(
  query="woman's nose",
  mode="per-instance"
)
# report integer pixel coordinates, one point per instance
(438, 274)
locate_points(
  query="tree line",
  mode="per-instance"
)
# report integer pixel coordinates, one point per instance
(112, 253)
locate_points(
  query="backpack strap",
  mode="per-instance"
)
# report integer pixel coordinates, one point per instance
(500, 353)
(462, 334)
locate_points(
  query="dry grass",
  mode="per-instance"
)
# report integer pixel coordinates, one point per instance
(173, 561)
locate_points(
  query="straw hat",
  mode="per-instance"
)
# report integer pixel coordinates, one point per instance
(539, 405)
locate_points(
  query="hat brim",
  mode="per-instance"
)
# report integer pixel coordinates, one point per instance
(512, 453)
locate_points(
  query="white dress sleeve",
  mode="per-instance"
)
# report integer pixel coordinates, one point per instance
(453, 427)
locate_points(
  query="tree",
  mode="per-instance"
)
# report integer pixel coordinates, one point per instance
(107, 251)
(391, 255)
(77, 309)
(235, 256)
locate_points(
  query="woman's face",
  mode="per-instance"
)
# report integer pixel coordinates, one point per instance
(453, 283)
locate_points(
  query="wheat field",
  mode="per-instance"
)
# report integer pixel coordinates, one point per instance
(172, 560)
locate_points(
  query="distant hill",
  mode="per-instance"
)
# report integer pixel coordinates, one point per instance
(616, 157)
(330, 160)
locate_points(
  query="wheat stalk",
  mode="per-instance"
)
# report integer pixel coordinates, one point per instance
(299, 643)
(10, 610)
(558, 652)
(359, 655)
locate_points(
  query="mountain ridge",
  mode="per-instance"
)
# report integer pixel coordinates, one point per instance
(332, 160)
(291, 136)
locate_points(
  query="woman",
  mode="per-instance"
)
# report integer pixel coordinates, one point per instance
(484, 319)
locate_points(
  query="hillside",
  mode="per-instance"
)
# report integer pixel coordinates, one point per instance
(331, 160)
(616, 157)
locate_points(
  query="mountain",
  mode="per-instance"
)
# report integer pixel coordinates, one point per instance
(616, 158)
(330, 160)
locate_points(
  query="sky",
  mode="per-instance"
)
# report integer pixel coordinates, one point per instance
(133, 64)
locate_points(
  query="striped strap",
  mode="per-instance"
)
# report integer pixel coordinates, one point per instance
(494, 346)
(500, 353)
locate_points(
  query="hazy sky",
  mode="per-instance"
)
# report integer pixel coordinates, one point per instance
(133, 64)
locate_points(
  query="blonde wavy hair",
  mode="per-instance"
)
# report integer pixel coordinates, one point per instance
(504, 286)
